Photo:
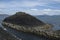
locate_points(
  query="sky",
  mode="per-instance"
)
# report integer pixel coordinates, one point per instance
(33, 7)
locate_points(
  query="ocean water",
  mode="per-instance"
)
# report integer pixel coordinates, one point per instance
(56, 27)
(53, 20)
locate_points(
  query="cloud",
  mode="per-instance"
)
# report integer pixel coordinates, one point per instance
(17, 4)
(51, 12)
(27, 3)
(31, 11)
(56, 0)
(33, 7)
(43, 12)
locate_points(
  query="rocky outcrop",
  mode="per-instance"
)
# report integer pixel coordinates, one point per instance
(27, 23)
(23, 19)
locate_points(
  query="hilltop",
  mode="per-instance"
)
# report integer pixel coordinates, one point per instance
(23, 19)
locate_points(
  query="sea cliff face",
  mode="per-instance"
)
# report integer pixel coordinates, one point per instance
(27, 23)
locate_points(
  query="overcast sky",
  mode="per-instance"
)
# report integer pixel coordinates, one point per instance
(33, 7)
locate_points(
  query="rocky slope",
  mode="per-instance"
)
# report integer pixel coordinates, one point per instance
(27, 23)
(23, 19)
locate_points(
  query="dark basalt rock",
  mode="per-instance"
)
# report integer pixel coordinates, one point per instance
(23, 19)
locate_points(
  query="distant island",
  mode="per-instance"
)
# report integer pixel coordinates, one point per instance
(22, 21)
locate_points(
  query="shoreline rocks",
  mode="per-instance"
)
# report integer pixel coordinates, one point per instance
(38, 31)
